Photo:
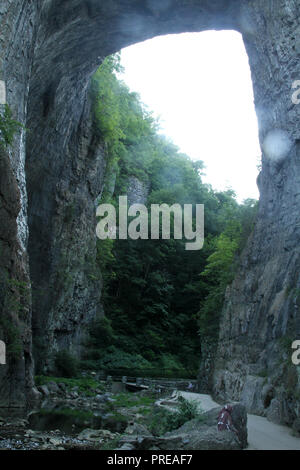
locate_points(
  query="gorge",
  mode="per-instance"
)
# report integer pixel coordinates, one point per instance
(54, 170)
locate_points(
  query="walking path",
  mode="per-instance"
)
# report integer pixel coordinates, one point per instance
(262, 434)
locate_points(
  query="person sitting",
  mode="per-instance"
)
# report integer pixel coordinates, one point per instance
(225, 419)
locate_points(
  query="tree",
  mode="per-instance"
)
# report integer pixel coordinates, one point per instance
(156, 294)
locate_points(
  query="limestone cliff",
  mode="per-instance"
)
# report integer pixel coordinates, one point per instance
(261, 317)
(16, 41)
(137, 191)
(66, 283)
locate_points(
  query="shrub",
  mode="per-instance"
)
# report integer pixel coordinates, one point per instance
(8, 127)
(85, 385)
(170, 363)
(163, 421)
(101, 334)
(114, 358)
(66, 364)
(129, 400)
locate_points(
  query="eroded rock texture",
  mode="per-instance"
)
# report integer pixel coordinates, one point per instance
(16, 381)
(48, 51)
(261, 316)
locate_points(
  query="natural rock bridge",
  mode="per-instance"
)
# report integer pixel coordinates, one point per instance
(48, 52)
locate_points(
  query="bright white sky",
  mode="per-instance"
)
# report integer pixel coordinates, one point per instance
(200, 86)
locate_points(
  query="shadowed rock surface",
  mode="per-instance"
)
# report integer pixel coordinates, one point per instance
(197, 434)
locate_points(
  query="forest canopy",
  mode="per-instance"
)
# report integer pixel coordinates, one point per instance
(160, 301)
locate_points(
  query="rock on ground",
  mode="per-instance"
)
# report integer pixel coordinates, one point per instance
(197, 434)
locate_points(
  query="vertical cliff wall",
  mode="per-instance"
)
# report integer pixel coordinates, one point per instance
(17, 19)
(261, 317)
(54, 170)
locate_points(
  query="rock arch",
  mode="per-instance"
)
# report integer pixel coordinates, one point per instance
(48, 51)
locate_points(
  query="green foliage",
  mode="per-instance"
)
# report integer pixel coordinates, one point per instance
(285, 344)
(162, 420)
(188, 409)
(8, 127)
(69, 213)
(111, 445)
(101, 333)
(156, 294)
(66, 364)
(17, 298)
(85, 385)
(14, 303)
(221, 264)
(68, 420)
(128, 400)
(121, 120)
(105, 260)
(12, 337)
(114, 358)
(76, 414)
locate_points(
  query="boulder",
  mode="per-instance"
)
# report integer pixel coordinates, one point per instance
(136, 429)
(126, 446)
(296, 427)
(251, 396)
(53, 387)
(197, 434)
(267, 395)
(274, 412)
(44, 390)
(210, 418)
(114, 422)
(56, 441)
(95, 435)
(239, 419)
(118, 387)
(208, 438)
(100, 398)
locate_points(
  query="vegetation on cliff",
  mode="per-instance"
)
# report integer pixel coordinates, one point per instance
(157, 296)
(8, 126)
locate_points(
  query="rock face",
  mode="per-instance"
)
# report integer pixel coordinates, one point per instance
(66, 282)
(16, 377)
(261, 316)
(48, 51)
(15, 321)
(204, 438)
(239, 420)
(197, 434)
(137, 192)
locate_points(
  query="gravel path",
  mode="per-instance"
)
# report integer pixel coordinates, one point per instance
(262, 434)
